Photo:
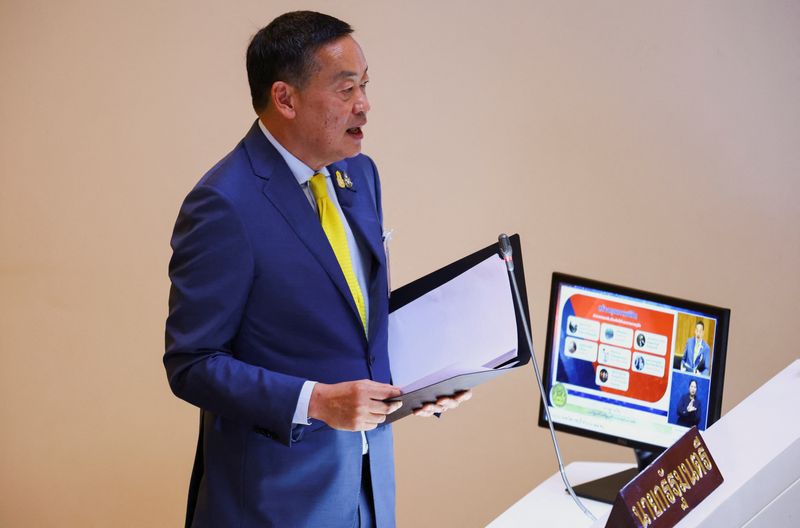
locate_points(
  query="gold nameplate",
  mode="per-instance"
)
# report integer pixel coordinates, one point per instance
(667, 490)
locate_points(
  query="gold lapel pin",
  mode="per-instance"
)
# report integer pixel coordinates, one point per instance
(340, 181)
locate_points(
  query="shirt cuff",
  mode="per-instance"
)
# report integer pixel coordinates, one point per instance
(301, 411)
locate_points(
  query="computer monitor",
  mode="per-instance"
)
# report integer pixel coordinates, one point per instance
(631, 367)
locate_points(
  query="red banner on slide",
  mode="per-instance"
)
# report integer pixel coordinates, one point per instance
(642, 386)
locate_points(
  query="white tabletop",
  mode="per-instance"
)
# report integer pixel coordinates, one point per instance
(550, 505)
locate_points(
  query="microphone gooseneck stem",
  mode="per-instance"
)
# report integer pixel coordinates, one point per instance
(505, 250)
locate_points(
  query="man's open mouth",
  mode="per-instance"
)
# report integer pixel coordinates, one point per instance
(356, 132)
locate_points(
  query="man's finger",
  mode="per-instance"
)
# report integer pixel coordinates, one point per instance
(382, 391)
(462, 396)
(379, 407)
(433, 408)
(452, 401)
(374, 418)
(429, 409)
(447, 403)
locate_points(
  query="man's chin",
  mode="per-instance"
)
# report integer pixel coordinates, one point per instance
(352, 150)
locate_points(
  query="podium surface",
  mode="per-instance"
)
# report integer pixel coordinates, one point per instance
(550, 505)
(756, 446)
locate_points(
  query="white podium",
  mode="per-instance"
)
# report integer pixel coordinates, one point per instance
(549, 505)
(756, 447)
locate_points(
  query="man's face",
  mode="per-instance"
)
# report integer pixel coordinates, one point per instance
(698, 332)
(332, 106)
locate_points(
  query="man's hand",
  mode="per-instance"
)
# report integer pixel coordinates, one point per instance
(353, 405)
(443, 403)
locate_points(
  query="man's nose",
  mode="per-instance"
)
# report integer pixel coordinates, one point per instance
(362, 105)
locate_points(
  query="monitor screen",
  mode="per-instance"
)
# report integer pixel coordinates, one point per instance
(631, 367)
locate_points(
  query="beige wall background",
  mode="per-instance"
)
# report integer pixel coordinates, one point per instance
(653, 144)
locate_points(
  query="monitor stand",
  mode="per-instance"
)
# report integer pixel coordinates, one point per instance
(605, 489)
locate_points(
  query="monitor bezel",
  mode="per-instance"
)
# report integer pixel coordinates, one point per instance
(719, 351)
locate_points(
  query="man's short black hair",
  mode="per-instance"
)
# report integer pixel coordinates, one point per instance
(700, 323)
(284, 51)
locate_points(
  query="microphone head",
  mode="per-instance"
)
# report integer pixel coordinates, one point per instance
(505, 246)
(505, 251)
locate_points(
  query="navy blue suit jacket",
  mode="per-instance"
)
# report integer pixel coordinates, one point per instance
(686, 417)
(688, 362)
(258, 305)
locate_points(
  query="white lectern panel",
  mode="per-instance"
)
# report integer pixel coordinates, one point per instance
(757, 449)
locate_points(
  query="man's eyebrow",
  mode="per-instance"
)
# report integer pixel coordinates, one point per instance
(346, 74)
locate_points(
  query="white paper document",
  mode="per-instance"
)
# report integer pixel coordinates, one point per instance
(465, 325)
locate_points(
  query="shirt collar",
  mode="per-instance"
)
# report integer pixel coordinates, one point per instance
(300, 170)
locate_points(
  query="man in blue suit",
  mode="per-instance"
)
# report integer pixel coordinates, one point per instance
(277, 325)
(696, 354)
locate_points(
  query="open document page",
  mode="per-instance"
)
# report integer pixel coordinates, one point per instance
(465, 325)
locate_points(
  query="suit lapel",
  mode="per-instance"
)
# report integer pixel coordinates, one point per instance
(282, 190)
(359, 209)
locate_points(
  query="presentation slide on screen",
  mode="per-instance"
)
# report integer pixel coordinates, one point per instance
(612, 370)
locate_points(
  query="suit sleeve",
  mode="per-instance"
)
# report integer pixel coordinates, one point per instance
(684, 412)
(703, 367)
(682, 404)
(211, 271)
(684, 360)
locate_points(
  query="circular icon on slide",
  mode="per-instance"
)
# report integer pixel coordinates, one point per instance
(638, 363)
(558, 395)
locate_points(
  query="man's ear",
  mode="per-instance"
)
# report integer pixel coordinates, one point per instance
(283, 97)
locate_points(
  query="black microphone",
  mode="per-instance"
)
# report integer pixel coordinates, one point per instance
(505, 251)
(506, 254)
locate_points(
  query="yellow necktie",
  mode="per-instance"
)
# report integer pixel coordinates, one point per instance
(334, 230)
